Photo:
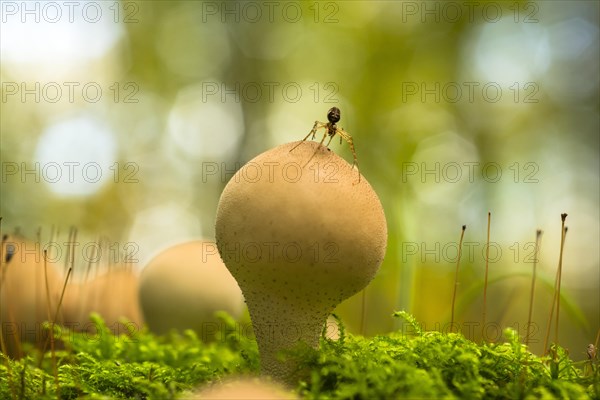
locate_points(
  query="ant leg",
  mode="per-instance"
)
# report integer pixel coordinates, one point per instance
(330, 139)
(322, 140)
(317, 125)
(348, 139)
(312, 132)
(317, 149)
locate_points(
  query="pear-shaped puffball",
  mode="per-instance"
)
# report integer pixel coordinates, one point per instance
(246, 389)
(300, 233)
(24, 304)
(112, 294)
(183, 286)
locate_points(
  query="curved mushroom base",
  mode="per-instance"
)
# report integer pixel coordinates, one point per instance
(300, 234)
(275, 335)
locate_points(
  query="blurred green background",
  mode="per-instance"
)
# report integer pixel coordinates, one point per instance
(126, 119)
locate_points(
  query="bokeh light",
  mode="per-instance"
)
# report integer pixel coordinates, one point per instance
(75, 156)
(41, 40)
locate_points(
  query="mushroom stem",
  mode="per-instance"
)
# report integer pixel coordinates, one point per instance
(277, 335)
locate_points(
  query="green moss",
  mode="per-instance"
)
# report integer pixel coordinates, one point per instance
(425, 365)
(138, 365)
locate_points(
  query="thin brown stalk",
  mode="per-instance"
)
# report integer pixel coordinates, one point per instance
(550, 317)
(53, 322)
(560, 262)
(2, 344)
(462, 234)
(363, 315)
(92, 259)
(485, 282)
(38, 302)
(555, 299)
(48, 306)
(538, 237)
(71, 247)
(62, 295)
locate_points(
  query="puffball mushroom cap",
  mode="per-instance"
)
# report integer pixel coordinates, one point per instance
(23, 295)
(184, 285)
(112, 294)
(299, 239)
(245, 389)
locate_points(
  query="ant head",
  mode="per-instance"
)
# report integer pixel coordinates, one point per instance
(333, 115)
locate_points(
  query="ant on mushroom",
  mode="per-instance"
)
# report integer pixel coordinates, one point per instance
(331, 129)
